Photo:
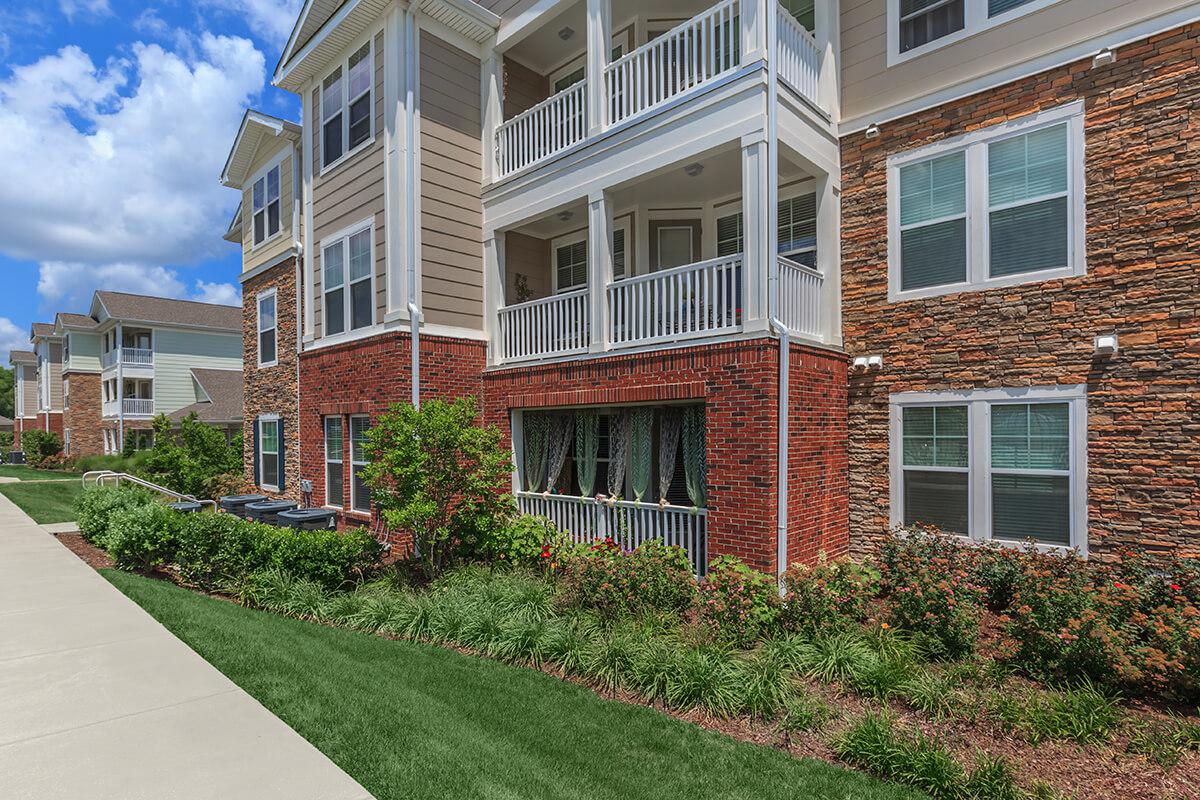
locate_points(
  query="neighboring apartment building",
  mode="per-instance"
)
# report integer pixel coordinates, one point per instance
(47, 347)
(24, 365)
(133, 357)
(776, 276)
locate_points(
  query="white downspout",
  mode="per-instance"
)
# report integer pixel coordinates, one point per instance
(298, 287)
(410, 189)
(781, 529)
(120, 392)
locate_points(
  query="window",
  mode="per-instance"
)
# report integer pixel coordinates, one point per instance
(66, 393)
(730, 236)
(1007, 465)
(269, 447)
(674, 244)
(346, 106)
(918, 26)
(348, 282)
(334, 443)
(360, 494)
(266, 329)
(995, 208)
(797, 220)
(570, 265)
(619, 236)
(266, 205)
(803, 11)
(569, 80)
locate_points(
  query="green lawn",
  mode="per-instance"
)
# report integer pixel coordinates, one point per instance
(24, 473)
(45, 502)
(411, 721)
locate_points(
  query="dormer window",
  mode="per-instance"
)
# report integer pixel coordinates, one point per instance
(266, 205)
(346, 106)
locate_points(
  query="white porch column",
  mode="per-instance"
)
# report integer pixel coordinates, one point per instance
(600, 273)
(599, 42)
(829, 258)
(493, 293)
(756, 231)
(492, 92)
(828, 35)
(753, 15)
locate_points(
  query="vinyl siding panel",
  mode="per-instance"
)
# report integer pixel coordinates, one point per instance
(56, 370)
(29, 390)
(351, 192)
(523, 88)
(177, 353)
(507, 10)
(529, 256)
(273, 248)
(868, 84)
(85, 353)
(451, 212)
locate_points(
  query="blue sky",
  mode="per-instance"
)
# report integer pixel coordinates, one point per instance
(115, 121)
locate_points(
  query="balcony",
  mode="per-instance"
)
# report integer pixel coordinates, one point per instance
(680, 62)
(128, 356)
(138, 407)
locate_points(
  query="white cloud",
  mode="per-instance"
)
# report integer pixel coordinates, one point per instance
(224, 293)
(118, 165)
(11, 338)
(89, 8)
(68, 286)
(272, 20)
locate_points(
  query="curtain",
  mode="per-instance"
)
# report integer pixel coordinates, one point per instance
(537, 430)
(618, 450)
(640, 450)
(695, 469)
(669, 424)
(587, 447)
(561, 428)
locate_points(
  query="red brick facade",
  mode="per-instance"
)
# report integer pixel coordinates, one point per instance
(1142, 131)
(272, 390)
(82, 414)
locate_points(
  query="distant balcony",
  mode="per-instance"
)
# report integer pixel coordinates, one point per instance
(138, 407)
(128, 356)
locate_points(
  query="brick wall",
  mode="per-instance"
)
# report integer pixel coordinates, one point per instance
(738, 383)
(1142, 129)
(272, 390)
(49, 421)
(367, 377)
(83, 417)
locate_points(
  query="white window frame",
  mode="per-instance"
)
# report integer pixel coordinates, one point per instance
(258, 301)
(979, 403)
(975, 146)
(341, 461)
(342, 238)
(975, 21)
(269, 418)
(343, 63)
(276, 163)
(567, 241)
(353, 507)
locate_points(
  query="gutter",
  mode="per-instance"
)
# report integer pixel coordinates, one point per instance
(410, 189)
(781, 527)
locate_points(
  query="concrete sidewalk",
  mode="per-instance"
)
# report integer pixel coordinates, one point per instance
(98, 700)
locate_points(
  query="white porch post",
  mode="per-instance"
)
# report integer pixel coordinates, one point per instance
(599, 42)
(753, 14)
(492, 91)
(829, 262)
(493, 294)
(600, 273)
(828, 35)
(756, 223)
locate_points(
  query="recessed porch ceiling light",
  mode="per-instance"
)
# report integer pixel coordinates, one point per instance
(566, 33)
(693, 169)
(563, 216)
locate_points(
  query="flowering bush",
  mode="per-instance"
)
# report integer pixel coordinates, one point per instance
(520, 540)
(831, 594)
(603, 577)
(737, 602)
(928, 589)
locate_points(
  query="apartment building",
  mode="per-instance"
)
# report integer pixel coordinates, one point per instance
(133, 357)
(24, 366)
(756, 278)
(47, 348)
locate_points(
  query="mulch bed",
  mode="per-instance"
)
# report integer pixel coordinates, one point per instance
(91, 555)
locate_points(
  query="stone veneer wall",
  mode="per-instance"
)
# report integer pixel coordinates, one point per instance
(83, 417)
(1142, 129)
(272, 390)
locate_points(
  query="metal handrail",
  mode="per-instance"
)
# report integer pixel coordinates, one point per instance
(102, 477)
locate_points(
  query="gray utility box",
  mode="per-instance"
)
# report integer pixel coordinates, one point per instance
(267, 510)
(236, 503)
(185, 506)
(308, 519)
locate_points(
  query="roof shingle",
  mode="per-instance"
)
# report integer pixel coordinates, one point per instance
(224, 388)
(165, 311)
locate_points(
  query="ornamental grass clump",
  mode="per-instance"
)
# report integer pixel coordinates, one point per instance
(879, 745)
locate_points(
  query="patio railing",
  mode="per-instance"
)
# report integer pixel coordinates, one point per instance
(537, 133)
(800, 298)
(799, 56)
(556, 325)
(138, 406)
(693, 300)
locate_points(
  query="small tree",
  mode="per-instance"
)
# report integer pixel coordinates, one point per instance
(438, 473)
(188, 460)
(41, 448)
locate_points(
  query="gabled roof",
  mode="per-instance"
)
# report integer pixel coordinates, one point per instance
(5, 422)
(22, 357)
(223, 390)
(64, 320)
(327, 27)
(256, 128)
(165, 311)
(234, 232)
(41, 329)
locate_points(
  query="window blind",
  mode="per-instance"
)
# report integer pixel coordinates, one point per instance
(1027, 195)
(571, 265)
(933, 222)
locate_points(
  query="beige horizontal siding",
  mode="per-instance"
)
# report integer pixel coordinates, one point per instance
(529, 256)
(251, 256)
(523, 88)
(451, 212)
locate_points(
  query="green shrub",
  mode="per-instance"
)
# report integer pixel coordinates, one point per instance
(143, 537)
(521, 540)
(707, 678)
(187, 459)
(613, 582)
(739, 603)
(94, 507)
(41, 448)
(931, 693)
(835, 657)
(114, 463)
(830, 594)
(766, 684)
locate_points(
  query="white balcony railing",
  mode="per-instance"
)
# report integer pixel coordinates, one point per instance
(799, 56)
(629, 524)
(550, 127)
(800, 298)
(108, 359)
(555, 325)
(693, 300)
(688, 55)
(136, 406)
(137, 356)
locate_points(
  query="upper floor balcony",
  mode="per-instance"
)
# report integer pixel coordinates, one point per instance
(604, 65)
(128, 356)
